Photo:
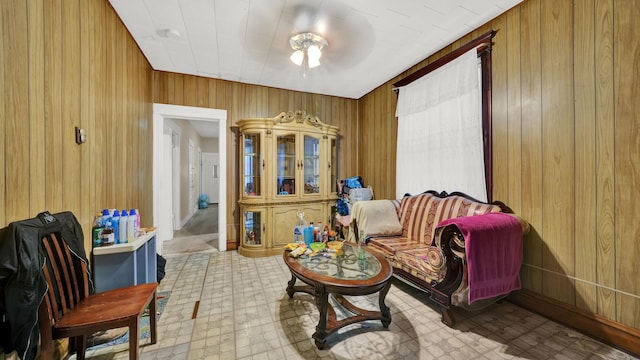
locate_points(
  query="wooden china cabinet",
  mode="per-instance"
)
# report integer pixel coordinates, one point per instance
(287, 165)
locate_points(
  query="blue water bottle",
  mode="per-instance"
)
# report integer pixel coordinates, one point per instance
(308, 235)
(115, 224)
(105, 217)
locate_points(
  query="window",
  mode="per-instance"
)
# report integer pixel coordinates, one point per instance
(444, 128)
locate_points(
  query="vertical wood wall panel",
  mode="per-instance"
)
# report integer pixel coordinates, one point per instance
(514, 112)
(35, 43)
(584, 79)
(627, 159)
(134, 134)
(108, 126)
(102, 116)
(118, 165)
(558, 135)
(87, 87)
(499, 109)
(145, 91)
(70, 105)
(15, 18)
(531, 92)
(190, 86)
(171, 88)
(4, 12)
(178, 89)
(203, 92)
(605, 152)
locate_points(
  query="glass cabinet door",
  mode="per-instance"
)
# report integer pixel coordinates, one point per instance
(253, 234)
(285, 164)
(311, 164)
(252, 171)
(333, 165)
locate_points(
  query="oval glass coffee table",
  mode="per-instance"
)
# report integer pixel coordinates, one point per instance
(344, 275)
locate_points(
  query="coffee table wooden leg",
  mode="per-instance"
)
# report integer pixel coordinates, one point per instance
(322, 301)
(290, 284)
(384, 309)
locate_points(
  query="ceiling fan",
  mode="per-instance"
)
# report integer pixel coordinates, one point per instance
(348, 36)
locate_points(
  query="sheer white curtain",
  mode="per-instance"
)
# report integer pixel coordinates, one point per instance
(440, 131)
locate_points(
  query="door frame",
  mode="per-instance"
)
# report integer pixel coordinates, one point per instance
(168, 178)
(162, 112)
(176, 132)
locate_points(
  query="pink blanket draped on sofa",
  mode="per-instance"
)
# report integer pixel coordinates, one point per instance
(493, 245)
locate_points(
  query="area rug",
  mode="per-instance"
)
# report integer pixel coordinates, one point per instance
(121, 335)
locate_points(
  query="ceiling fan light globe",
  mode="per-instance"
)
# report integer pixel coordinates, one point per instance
(297, 57)
(313, 62)
(314, 52)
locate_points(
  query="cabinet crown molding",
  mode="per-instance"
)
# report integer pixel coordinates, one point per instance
(300, 117)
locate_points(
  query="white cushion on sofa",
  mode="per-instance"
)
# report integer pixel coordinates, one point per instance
(375, 217)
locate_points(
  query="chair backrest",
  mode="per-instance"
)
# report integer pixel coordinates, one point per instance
(66, 277)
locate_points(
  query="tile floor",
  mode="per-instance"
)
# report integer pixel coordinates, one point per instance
(244, 313)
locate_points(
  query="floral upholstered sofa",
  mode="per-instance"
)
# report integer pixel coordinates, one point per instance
(433, 239)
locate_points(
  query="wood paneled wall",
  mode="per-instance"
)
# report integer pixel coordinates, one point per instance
(565, 130)
(566, 146)
(68, 63)
(245, 100)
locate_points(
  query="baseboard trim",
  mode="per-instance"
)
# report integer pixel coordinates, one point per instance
(596, 326)
(232, 245)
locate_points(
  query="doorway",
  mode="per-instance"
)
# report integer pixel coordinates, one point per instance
(163, 114)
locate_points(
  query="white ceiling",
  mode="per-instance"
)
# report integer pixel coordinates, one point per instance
(206, 129)
(370, 41)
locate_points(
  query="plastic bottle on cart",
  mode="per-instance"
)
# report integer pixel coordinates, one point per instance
(137, 219)
(131, 224)
(106, 215)
(298, 230)
(124, 226)
(115, 224)
(96, 231)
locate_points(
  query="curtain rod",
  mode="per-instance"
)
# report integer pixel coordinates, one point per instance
(477, 42)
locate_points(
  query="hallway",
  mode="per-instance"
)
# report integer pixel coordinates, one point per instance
(199, 234)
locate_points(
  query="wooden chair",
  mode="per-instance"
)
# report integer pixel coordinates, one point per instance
(68, 310)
